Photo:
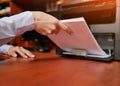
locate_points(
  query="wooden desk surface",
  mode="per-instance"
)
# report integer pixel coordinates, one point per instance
(49, 69)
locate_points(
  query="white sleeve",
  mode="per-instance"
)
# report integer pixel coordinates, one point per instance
(4, 48)
(15, 25)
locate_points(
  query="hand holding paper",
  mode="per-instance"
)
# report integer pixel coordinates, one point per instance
(81, 38)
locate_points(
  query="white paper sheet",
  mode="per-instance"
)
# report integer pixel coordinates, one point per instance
(81, 38)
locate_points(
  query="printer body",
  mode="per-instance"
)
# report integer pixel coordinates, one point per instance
(103, 19)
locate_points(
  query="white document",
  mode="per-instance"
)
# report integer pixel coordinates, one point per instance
(81, 38)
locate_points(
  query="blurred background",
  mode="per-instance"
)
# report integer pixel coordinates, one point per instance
(102, 16)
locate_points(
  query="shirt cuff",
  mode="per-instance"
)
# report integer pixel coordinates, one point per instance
(24, 22)
(4, 48)
(17, 24)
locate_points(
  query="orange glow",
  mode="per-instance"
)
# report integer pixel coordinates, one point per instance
(63, 1)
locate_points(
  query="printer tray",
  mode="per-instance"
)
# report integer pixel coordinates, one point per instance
(60, 52)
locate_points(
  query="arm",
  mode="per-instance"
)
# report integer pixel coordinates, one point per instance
(15, 25)
(43, 23)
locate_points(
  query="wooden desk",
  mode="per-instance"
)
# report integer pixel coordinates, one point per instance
(49, 69)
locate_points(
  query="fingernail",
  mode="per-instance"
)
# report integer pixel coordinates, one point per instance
(32, 55)
(25, 57)
(49, 31)
(15, 55)
(69, 30)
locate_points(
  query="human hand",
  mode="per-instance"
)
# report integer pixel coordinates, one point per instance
(47, 24)
(14, 50)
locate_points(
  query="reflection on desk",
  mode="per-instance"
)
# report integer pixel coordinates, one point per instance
(49, 69)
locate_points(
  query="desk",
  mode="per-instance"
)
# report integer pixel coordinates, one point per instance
(49, 69)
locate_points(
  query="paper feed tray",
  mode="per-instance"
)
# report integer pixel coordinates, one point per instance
(82, 54)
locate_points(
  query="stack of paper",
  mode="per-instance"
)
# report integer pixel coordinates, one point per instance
(81, 38)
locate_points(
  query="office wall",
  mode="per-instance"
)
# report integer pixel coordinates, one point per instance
(112, 27)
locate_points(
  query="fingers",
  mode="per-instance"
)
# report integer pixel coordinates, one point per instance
(45, 28)
(65, 27)
(50, 27)
(25, 53)
(21, 51)
(55, 27)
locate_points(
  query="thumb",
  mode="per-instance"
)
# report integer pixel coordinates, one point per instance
(13, 54)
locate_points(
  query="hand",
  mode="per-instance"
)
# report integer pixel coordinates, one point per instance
(47, 24)
(14, 51)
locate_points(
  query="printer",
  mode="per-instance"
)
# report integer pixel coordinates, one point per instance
(103, 18)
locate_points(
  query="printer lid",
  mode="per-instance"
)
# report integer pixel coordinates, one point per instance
(94, 11)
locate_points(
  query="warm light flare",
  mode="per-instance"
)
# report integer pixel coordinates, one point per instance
(63, 1)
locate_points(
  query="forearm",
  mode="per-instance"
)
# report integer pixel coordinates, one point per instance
(15, 25)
